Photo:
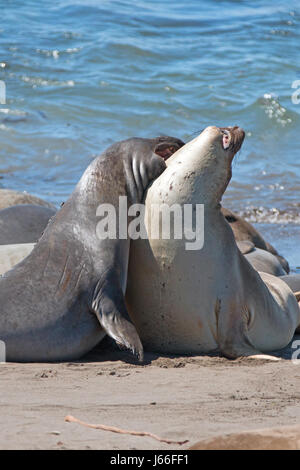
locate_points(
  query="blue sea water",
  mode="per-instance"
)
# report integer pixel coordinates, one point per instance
(82, 74)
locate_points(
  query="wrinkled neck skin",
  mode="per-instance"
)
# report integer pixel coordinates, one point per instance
(103, 183)
(114, 174)
(119, 172)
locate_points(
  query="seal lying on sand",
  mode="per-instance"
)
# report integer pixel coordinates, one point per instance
(23, 223)
(60, 301)
(9, 197)
(261, 260)
(244, 231)
(194, 301)
(293, 281)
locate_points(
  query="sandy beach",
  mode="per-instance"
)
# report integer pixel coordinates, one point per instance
(177, 398)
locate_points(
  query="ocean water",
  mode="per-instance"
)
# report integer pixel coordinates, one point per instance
(82, 74)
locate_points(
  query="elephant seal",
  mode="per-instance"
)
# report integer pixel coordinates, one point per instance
(9, 197)
(211, 299)
(10, 255)
(261, 260)
(293, 281)
(244, 231)
(60, 301)
(23, 223)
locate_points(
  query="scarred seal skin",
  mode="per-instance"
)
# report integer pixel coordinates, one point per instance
(211, 299)
(60, 301)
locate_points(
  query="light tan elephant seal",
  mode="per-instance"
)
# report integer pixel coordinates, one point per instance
(61, 300)
(196, 301)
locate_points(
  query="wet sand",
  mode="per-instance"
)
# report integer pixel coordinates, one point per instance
(175, 397)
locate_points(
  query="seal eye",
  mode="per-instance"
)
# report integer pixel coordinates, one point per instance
(165, 150)
(226, 139)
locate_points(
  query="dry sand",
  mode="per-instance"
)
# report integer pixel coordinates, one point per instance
(175, 397)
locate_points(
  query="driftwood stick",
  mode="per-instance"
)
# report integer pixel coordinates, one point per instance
(71, 419)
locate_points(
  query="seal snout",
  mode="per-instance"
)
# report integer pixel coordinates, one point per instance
(233, 138)
(238, 136)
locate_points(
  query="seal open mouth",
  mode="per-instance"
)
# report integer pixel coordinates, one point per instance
(233, 138)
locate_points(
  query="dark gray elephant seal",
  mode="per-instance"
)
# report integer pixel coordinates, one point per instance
(23, 223)
(9, 197)
(60, 301)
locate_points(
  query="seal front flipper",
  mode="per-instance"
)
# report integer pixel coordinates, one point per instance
(109, 306)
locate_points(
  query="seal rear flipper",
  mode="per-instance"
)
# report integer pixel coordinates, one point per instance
(233, 338)
(109, 306)
(232, 331)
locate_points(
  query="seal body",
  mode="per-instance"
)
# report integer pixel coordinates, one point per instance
(244, 231)
(23, 223)
(194, 301)
(60, 301)
(261, 260)
(9, 197)
(292, 280)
